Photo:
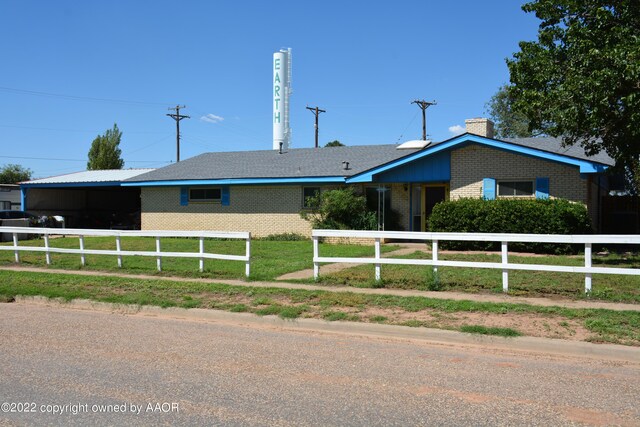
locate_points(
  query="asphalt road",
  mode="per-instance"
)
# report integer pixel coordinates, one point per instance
(160, 371)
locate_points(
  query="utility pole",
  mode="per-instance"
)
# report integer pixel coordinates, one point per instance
(177, 117)
(423, 106)
(316, 111)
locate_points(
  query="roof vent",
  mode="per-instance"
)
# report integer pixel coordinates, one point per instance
(417, 144)
(345, 166)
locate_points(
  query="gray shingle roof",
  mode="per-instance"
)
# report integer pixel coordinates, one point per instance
(300, 162)
(554, 145)
(317, 162)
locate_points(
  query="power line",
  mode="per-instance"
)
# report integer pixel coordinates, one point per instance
(316, 111)
(71, 130)
(72, 160)
(76, 98)
(177, 117)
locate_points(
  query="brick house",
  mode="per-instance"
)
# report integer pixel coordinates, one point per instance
(264, 191)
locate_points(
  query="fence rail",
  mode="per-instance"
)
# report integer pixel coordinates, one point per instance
(503, 238)
(119, 252)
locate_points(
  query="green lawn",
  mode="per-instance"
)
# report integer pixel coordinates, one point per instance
(526, 283)
(269, 259)
(598, 325)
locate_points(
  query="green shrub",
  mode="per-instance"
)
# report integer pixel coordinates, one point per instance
(510, 216)
(340, 209)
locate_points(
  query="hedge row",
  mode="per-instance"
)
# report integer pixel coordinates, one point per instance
(510, 216)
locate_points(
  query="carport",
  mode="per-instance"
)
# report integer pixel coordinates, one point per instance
(88, 199)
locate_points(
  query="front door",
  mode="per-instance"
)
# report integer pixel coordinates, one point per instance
(431, 195)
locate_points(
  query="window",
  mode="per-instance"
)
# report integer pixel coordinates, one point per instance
(515, 188)
(309, 192)
(205, 194)
(5, 206)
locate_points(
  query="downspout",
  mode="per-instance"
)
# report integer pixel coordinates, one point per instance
(23, 198)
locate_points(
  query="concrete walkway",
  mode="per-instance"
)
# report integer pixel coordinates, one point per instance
(458, 296)
(405, 249)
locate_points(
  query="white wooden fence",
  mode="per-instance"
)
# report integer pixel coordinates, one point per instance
(119, 234)
(588, 240)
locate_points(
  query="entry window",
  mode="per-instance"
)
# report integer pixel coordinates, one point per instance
(205, 194)
(515, 188)
(308, 192)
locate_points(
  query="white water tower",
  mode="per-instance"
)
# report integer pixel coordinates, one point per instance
(281, 93)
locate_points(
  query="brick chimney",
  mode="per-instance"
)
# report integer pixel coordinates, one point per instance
(480, 126)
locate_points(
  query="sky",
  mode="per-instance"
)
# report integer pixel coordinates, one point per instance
(70, 70)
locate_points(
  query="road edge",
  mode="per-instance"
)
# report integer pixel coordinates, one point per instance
(395, 332)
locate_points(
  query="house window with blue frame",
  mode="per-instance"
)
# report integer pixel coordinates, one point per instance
(205, 194)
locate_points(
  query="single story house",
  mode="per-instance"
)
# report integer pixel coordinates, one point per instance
(264, 191)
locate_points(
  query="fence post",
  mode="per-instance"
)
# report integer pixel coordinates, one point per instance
(377, 245)
(316, 265)
(82, 256)
(587, 263)
(158, 258)
(247, 266)
(119, 248)
(46, 247)
(434, 257)
(15, 245)
(201, 252)
(505, 272)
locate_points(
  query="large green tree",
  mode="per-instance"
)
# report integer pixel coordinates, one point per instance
(105, 151)
(13, 174)
(509, 123)
(581, 78)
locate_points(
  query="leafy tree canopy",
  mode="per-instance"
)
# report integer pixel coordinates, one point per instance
(335, 143)
(509, 123)
(105, 151)
(581, 78)
(13, 174)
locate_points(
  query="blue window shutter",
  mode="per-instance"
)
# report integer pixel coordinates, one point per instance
(184, 196)
(542, 188)
(224, 200)
(489, 189)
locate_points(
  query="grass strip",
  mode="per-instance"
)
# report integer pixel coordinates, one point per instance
(606, 325)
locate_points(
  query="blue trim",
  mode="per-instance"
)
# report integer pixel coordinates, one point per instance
(584, 165)
(238, 181)
(489, 189)
(435, 168)
(23, 198)
(224, 199)
(184, 196)
(74, 184)
(542, 188)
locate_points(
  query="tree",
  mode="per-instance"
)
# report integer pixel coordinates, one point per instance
(581, 78)
(105, 151)
(13, 174)
(335, 143)
(509, 123)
